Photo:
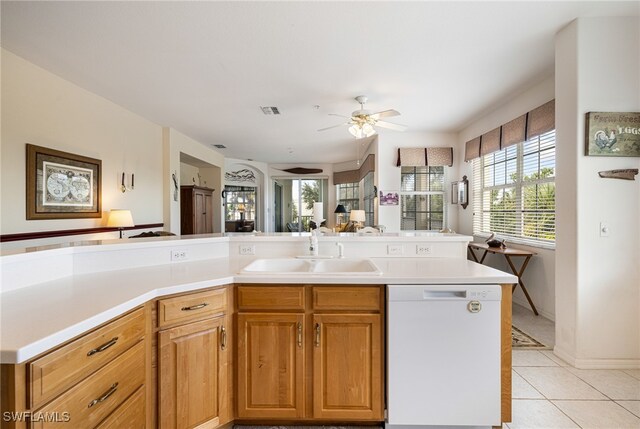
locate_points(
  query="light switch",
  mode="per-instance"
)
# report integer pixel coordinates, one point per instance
(604, 229)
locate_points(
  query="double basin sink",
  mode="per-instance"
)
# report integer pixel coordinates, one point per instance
(283, 266)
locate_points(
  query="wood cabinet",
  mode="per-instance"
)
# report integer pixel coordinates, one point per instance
(271, 365)
(196, 210)
(87, 382)
(193, 360)
(310, 353)
(347, 366)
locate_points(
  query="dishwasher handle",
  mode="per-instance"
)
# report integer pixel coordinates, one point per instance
(460, 292)
(448, 294)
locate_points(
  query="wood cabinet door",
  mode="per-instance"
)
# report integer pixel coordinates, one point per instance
(270, 365)
(347, 367)
(208, 213)
(192, 375)
(199, 224)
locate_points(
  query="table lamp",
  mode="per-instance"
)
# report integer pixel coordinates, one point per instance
(340, 211)
(357, 216)
(120, 219)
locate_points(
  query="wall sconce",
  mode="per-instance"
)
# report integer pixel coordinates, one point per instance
(123, 185)
(463, 192)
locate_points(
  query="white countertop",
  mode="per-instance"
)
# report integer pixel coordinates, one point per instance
(36, 318)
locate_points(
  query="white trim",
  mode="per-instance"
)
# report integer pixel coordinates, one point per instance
(596, 363)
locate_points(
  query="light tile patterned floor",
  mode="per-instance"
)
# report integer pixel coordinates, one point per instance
(550, 394)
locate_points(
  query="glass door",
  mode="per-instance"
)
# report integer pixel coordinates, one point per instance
(296, 204)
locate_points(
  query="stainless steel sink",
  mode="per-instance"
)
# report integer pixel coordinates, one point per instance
(284, 266)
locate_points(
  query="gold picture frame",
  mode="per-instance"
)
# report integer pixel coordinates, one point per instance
(62, 185)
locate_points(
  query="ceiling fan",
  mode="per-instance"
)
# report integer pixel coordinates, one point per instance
(362, 121)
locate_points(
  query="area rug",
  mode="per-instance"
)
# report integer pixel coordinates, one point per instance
(520, 340)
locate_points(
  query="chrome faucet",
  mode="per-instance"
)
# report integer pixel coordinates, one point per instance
(340, 249)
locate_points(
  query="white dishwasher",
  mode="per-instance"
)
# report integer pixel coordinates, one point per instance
(443, 355)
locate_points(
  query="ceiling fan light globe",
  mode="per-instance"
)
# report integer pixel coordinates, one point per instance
(368, 130)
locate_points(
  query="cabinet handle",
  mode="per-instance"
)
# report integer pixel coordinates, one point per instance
(223, 338)
(317, 344)
(104, 397)
(103, 347)
(195, 307)
(299, 334)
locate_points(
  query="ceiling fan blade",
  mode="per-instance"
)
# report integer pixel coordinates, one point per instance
(389, 125)
(334, 126)
(340, 116)
(385, 114)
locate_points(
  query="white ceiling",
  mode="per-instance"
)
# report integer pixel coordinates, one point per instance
(204, 68)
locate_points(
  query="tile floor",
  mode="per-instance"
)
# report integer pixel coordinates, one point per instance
(550, 394)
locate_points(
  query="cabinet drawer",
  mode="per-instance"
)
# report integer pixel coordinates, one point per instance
(130, 415)
(271, 298)
(55, 372)
(190, 307)
(94, 398)
(366, 298)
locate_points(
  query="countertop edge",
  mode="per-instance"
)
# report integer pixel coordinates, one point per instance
(33, 349)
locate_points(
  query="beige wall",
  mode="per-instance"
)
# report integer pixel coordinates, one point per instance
(43, 109)
(173, 144)
(540, 274)
(598, 305)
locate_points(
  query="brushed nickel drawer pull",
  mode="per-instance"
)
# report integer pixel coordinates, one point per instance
(317, 335)
(195, 307)
(299, 334)
(223, 338)
(104, 397)
(103, 347)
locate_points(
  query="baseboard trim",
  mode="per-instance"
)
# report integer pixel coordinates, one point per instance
(596, 363)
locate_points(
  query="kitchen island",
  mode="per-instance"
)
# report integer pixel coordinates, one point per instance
(40, 316)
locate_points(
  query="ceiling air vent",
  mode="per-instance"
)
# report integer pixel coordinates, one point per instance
(220, 146)
(270, 110)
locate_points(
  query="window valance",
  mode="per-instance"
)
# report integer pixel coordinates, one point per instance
(534, 123)
(427, 156)
(352, 176)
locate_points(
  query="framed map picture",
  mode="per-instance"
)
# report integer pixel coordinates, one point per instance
(62, 185)
(613, 134)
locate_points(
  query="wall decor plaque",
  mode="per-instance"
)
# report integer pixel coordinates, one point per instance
(62, 185)
(612, 134)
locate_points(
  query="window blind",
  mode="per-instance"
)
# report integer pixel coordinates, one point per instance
(514, 192)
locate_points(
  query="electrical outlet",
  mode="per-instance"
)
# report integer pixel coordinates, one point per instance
(423, 249)
(394, 249)
(179, 255)
(247, 249)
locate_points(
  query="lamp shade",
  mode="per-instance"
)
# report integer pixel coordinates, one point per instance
(318, 210)
(340, 209)
(357, 216)
(120, 218)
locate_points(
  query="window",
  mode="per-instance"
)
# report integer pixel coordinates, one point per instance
(240, 203)
(368, 199)
(349, 196)
(422, 198)
(515, 194)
